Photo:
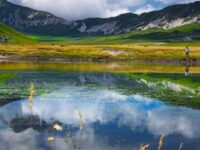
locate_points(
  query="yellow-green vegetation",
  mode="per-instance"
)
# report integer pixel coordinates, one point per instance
(107, 52)
(5, 77)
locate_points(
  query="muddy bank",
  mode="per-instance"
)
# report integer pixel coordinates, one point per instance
(45, 59)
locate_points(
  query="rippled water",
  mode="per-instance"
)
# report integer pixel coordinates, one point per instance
(98, 110)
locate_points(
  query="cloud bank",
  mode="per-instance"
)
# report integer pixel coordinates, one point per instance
(146, 8)
(81, 9)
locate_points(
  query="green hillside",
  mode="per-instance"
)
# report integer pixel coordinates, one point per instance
(9, 35)
(184, 34)
(187, 33)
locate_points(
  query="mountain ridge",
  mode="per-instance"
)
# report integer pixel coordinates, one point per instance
(36, 22)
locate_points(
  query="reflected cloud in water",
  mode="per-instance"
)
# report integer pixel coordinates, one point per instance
(103, 110)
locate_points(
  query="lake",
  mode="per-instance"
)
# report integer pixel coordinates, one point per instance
(92, 106)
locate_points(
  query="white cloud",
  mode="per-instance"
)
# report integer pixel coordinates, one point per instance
(81, 9)
(146, 8)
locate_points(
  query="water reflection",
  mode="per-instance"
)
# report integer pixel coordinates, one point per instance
(112, 120)
(187, 70)
(100, 108)
(173, 88)
(96, 67)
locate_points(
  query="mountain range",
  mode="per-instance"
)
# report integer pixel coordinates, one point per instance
(36, 22)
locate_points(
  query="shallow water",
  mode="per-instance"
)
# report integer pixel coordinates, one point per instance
(98, 109)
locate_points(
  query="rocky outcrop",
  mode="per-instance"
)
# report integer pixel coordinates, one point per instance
(4, 39)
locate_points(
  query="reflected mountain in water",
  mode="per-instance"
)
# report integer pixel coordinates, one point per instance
(22, 123)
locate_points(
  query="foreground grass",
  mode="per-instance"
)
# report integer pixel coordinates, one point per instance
(108, 52)
(5, 77)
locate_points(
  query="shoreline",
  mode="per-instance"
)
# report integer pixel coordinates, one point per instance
(7, 58)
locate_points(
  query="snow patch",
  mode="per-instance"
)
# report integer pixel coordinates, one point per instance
(165, 24)
(83, 28)
(106, 28)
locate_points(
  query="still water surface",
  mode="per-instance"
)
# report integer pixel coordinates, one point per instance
(98, 109)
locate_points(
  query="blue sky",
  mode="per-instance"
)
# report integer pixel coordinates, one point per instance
(149, 5)
(82, 9)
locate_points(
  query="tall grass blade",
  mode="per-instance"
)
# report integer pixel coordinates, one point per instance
(180, 146)
(58, 127)
(50, 139)
(161, 142)
(32, 92)
(80, 120)
(144, 147)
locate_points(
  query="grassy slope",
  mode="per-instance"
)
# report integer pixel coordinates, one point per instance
(15, 37)
(183, 33)
(176, 36)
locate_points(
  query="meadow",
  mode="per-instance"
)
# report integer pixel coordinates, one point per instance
(152, 44)
(123, 52)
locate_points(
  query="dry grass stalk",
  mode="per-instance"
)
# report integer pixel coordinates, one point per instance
(32, 92)
(180, 146)
(50, 139)
(161, 142)
(58, 127)
(144, 147)
(80, 120)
